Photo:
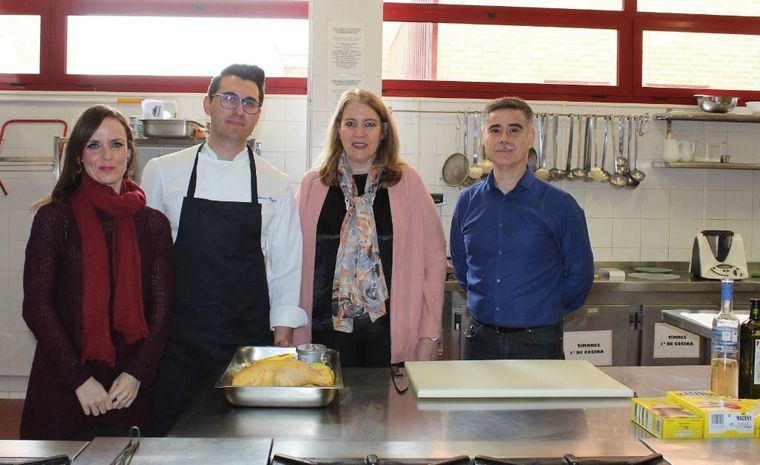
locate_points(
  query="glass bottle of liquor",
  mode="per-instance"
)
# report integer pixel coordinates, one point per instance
(724, 356)
(749, 357)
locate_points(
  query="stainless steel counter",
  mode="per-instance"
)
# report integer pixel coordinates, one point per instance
(698, 322)
(443, 450)
(683, 284)
(40, 449)
(370, 416)
(369, 409)
(708, 451)
(228, 451)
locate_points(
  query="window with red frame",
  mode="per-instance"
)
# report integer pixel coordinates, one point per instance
(20, 44)
(603, 50)
(163, 45)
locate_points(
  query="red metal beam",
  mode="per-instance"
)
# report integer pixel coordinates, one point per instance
(629, 24)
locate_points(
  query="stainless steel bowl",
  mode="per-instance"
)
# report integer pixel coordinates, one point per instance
(275, 396)
(716, 103)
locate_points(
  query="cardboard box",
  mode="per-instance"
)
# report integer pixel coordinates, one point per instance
(753, 405)
(723, 417)
(666, 419)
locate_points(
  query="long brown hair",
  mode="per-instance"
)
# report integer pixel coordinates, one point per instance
(387, 152)
(71, 170)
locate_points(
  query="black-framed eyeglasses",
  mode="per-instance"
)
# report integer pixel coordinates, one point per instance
(230, 101)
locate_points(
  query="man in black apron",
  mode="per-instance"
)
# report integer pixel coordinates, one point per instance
(221, 296)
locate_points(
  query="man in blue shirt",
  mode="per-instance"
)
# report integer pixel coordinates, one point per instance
(519, 246)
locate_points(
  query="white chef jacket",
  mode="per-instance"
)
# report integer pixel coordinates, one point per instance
(165, 180)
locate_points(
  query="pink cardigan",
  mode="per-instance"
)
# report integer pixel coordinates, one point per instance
(419, 261)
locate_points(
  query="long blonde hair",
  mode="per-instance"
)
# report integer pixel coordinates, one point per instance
(387, 152)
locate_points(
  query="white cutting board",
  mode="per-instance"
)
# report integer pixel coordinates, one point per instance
(511, 379)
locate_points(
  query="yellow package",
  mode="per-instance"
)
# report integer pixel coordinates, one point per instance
(723, 417)
(666, 419)
(753, 405)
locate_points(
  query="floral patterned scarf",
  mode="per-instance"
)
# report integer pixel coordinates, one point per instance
(359, 284)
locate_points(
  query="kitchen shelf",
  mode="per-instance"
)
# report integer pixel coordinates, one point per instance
(706, 165)
(703, 116)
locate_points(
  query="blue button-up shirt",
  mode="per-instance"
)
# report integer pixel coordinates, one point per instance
(524, 257)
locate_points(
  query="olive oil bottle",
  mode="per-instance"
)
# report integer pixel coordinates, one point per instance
(749, 356)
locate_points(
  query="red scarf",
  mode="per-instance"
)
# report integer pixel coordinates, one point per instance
(128, 315)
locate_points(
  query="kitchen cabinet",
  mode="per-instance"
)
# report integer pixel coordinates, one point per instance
(619, 319)
(649, 298)
(651, 316)
(630, 309)
(454, 308)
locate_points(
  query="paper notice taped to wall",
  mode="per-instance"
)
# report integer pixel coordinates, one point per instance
(672, 342)
(594, 346)
(345, 48)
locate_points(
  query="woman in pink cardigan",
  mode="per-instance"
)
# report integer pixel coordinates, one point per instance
(374, 258)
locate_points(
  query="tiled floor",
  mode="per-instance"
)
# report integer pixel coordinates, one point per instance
(10, 413)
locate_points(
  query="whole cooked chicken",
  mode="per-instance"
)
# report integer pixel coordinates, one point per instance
(284, 370)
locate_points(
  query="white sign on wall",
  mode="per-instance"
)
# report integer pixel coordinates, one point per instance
(594, 346)
(337, 85)
(672, 342)
(345, 48)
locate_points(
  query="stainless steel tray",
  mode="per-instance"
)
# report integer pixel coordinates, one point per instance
(169, 128)
(268, 396)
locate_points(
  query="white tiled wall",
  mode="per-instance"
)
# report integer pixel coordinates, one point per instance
(655, 222)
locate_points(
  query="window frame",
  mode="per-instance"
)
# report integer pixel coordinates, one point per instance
(629, 23)
(13, 81)
(740, 25)
(54, 33)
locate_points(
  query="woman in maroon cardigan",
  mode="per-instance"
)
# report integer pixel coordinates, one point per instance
(97, 289)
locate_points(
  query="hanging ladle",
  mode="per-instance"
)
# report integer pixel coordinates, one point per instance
(579, 173)
(630, 183)
(598, 172)
(589, 148)
(542, 172)
(636, 173)
(621, 164)
(557, 174)
(533, 156)
(618, 179)
(568, 169)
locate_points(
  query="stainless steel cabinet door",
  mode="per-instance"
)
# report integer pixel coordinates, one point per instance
(652, 315)
(620, 319)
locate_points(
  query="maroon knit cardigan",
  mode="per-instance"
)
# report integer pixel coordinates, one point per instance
(53, 311)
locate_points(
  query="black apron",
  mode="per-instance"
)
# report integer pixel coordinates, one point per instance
(221, 298)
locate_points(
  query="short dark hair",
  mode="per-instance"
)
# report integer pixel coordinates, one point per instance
(510, 103)
(247, 72)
